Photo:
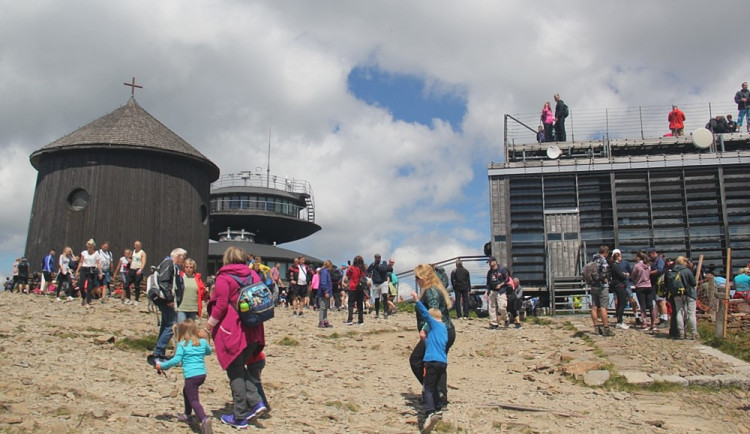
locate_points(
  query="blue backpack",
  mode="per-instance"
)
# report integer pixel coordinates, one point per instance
(255, 302)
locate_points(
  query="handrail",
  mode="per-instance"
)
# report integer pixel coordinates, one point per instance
(620, 122)
(258, 179)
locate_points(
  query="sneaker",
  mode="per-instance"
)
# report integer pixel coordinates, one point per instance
(256, 411)
(206, 426)
(321, 325)
(69, 298)
(430, 421)
(622, 326)
(58, 299)
(328, 324)
(228, 419)
(664, 324)
(349, 323)
(135, 303)
(519, 326)
(608, 332)
(493, 324)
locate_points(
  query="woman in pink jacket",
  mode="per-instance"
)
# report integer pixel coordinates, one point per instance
(548, 119)
(235, 343)
(641, 277)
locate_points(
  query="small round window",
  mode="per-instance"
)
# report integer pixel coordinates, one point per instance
(78, 199)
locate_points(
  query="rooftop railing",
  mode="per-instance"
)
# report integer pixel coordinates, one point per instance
(260, 179)
(616, 122)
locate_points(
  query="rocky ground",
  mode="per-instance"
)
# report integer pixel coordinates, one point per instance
(66, 370)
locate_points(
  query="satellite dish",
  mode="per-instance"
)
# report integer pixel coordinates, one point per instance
(553, 152)
(702, 138)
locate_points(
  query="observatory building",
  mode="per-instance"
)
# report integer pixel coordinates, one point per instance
(553, 204)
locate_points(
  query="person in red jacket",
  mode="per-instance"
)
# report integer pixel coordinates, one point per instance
(190, 302)
(676, 120)
(355, 273)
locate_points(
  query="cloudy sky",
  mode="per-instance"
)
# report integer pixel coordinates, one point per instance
(391, 109)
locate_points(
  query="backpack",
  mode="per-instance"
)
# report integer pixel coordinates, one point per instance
(673, 283)
(565, 108)
(590, 273)
(23, 268)
(362, 284)
(153, 290)
(255, 302)
(336, 275)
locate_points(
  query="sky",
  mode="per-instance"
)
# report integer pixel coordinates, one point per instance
(392, 110)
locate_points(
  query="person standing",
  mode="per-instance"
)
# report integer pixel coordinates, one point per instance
(617, 285)
(48, 267)
(731, 125)
(123, 267)
(190, 302)
(561, 112)
(461, 282)
(171, 285)
(137, 265)
(379, 271)
(600, 293)
(89, 272)
(496, 295)
(548, 120)
(356, 275)
(105, 256)
(657, 270)
(64, 278)
(325, 293)
(300, 278)
(685, 303)
(742, 98)
(676, 120)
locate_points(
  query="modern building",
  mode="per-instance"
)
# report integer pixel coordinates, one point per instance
(257, 211)
(554, 204)
(121, 178)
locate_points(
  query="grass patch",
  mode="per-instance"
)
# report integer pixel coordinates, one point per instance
(288, 341)
(736, 344)
(538, 320)
(145, 343)
(354, 408)
(405, 307)
(96, 330)
(444, 426)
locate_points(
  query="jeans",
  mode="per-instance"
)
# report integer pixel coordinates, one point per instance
(323, 303)
(685, 307)
(462, 303)
(168, 318)
(743, 113)
(182, 316)
(244, 387)
(622, 300)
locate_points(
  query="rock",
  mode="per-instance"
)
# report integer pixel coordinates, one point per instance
(637, 377)
(596, 377)
(733, 380)
(703, 380)
(672, 379)
(104, 340)
(10, 419)
(578, 368)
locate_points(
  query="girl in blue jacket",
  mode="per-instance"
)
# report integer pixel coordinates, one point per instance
(190, 351)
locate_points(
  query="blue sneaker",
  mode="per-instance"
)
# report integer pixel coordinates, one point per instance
(256, 411)
(228, 419)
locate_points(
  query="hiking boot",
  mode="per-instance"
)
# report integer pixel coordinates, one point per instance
(256, 411)
(206, 426)
(599, 330)
(228, 419)
(328, 324)
(430, 421)
(608, 332)
(519, 326)
(321, 325)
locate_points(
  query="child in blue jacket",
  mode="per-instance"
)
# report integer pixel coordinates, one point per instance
(435, 363)
(191, 351)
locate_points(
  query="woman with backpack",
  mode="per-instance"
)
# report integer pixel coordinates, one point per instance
(641, 276)
(356, 274)
(235, 342)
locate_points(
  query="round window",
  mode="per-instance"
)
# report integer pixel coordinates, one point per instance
(78, 199)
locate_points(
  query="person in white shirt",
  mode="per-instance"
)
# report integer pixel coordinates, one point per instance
(89, 272)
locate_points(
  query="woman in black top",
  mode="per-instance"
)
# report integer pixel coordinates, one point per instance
(618, 287)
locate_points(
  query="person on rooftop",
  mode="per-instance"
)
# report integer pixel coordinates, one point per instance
(676, 120)
(742, 98)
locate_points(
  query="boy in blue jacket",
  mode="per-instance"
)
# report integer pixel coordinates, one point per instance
(435, 363)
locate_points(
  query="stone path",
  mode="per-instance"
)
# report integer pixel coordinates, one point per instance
(61, 374)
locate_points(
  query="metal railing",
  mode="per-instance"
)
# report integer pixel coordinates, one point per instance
(276, 206)
(619, 122)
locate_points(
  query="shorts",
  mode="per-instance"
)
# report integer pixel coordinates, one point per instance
(600, 296)
(299, 291)
(23, 280)
(378, 289)
(106, 278)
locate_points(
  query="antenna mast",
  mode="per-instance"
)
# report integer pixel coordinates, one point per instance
(268, 164)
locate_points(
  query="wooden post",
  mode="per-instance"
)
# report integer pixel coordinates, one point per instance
(722, 313)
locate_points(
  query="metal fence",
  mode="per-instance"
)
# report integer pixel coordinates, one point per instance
(616, 122)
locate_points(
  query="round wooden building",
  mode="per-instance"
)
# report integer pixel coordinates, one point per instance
(121, 178)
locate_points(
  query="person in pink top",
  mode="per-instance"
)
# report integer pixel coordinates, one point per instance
(548, 120)
(235, 343)
(641, 277)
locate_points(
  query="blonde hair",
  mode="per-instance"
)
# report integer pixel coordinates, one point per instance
(430, 279)
(187, 331)
(234, 255)
(435, 313)
(328, 264)
(681, 260)
(190, 261)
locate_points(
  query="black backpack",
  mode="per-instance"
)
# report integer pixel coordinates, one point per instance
(673, 283)
(565, 110)
(336, 275)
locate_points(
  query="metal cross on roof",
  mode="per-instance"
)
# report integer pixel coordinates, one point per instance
(133, 86)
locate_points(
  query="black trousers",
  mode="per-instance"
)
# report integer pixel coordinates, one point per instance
(416, 360)
(462, 303)
(356, 296)
(560, 131)
(434, 374)
(622, 299)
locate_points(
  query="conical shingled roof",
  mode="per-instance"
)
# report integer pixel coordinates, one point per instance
(128, 127)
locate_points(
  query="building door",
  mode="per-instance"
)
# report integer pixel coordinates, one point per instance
(563, 239)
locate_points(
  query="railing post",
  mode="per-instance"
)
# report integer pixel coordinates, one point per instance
(640, 115)
(505, 136)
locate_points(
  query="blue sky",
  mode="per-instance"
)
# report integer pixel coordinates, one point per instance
(409, 97)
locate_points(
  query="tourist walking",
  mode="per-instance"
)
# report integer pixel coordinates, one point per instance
(685, 303)
(89, 272)
(461, 283)
(64, 273)
(497, 298)
(190, 303)
(324, 294)
(48, 267)
(137, 265)
(170, 285)
(356, 274)
(235, 342)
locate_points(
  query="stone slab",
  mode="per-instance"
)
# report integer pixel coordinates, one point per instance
(637, 377)
(596, 377)
(703, 380)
